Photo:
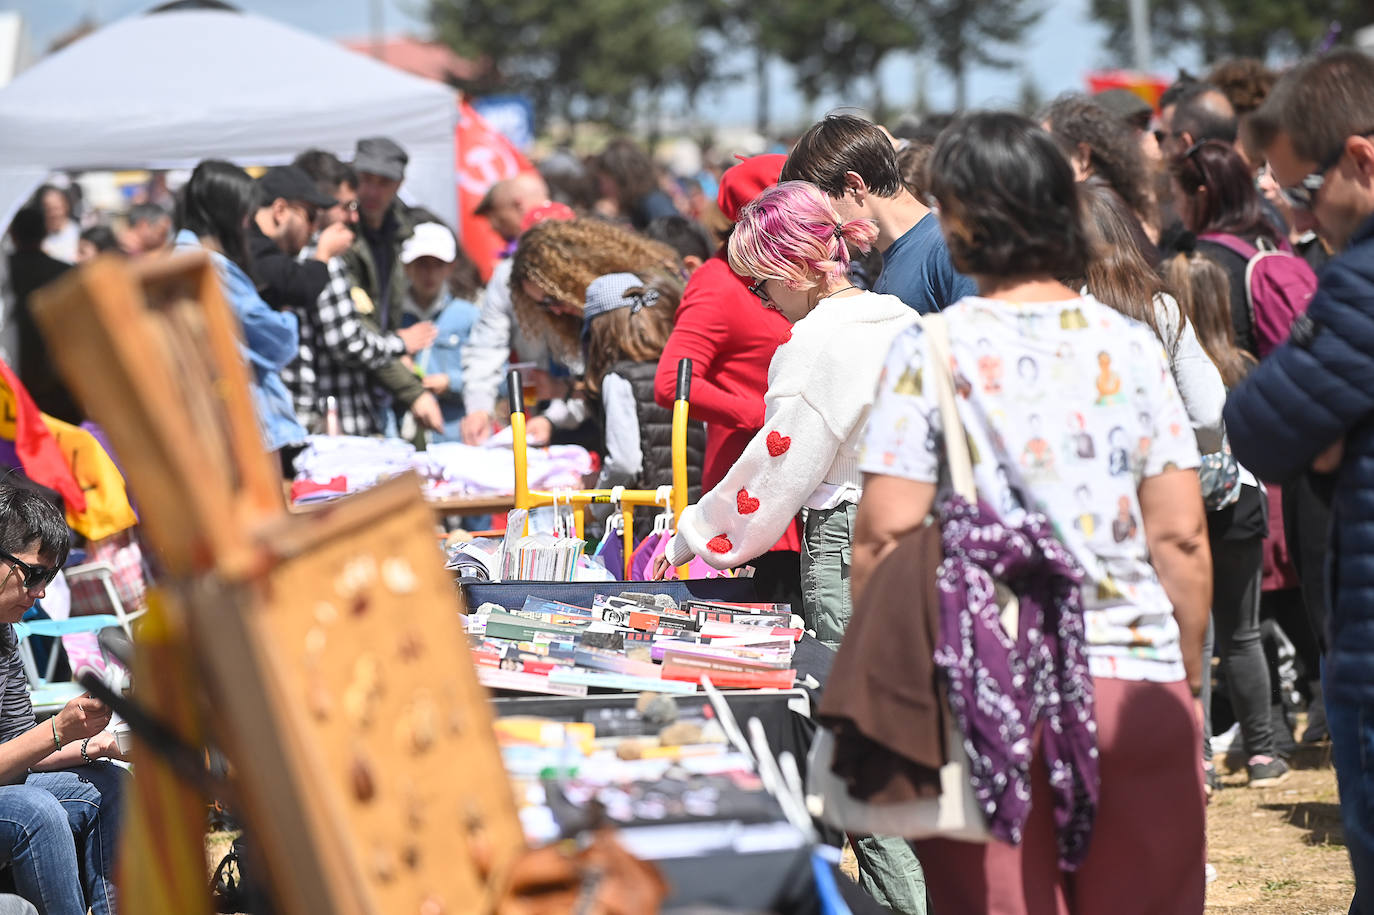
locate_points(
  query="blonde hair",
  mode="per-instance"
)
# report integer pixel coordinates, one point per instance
(635, 336)
(1203, 288)
(562, 258)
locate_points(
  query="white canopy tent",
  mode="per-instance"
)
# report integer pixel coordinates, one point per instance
(167, 89)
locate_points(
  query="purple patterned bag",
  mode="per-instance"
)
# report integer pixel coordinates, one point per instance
(1001, 687)
(1001, 684)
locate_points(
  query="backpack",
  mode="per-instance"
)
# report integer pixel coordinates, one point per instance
(1278, 286)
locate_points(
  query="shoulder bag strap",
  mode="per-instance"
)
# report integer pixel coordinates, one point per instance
(956, 441)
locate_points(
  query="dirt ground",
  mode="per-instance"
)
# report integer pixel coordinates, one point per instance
(1280, 850)
(1277, 851)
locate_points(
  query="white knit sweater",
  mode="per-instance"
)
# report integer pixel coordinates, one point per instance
(821, 385)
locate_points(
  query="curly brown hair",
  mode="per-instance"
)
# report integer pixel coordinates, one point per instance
(1074, 119)
(561, 259)
(1244, 81)
(634, 336)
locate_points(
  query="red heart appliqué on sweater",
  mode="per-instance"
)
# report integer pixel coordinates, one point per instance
(778, 444)
(720, 544)
(746, 503)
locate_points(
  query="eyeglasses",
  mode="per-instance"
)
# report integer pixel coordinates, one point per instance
(758, 289)
(36, 578)
(1303, 195)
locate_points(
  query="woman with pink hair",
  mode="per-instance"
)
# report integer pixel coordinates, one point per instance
(820, 390)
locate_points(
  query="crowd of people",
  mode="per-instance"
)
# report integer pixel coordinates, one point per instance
(1157, 326)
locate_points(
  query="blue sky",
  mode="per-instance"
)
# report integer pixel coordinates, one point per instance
(1056, 54)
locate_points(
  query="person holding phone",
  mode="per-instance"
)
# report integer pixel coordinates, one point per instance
(59, 794)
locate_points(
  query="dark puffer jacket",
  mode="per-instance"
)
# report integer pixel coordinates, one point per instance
(1315, 390)
(656, 441)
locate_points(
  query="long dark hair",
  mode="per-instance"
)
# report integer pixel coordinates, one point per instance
(215, 204)
(1204, 294)
(1231, 204)
(1117, 275)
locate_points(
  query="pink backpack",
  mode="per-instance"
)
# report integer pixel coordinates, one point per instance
(1278, 286)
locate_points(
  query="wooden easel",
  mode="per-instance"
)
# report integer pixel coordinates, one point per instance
(322, 652)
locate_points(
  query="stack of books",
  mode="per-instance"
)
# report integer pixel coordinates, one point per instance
(633, 643)
(541, 557)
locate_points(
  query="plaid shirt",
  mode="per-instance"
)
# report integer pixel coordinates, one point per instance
(338, 351)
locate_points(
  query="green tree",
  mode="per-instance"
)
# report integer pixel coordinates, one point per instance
(833, 45)
(1234, 28)
(969, 33)
(587, 60)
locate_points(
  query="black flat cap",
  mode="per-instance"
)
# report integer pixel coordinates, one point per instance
(380, 156)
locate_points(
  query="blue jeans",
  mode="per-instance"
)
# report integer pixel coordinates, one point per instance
(57, 836)
(1352, 753)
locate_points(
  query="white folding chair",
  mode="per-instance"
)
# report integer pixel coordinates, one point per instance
(48, 696)
(102, 575)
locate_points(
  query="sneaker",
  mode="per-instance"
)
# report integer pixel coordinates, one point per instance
(1266, 771)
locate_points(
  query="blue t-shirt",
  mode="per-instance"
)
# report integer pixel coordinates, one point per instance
(917, 269)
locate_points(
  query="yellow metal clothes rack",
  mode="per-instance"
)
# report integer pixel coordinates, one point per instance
(624, 500)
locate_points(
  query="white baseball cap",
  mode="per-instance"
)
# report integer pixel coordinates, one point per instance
(429, 240)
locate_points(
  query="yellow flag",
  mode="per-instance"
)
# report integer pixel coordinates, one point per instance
(107, 504)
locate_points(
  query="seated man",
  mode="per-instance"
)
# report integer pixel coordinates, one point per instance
(59, 803)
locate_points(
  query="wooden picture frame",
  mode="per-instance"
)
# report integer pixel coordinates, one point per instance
(336, 674)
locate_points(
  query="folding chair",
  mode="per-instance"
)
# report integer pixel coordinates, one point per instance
(48, 696)
(93, 586)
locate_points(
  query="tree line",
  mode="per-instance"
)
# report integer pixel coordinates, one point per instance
(596, 60)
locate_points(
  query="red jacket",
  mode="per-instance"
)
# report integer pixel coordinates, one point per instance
(730, 337)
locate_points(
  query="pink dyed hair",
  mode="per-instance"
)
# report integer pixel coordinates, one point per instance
(791, 233)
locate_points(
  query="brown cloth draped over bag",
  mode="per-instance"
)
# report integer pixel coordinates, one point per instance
(882, 701)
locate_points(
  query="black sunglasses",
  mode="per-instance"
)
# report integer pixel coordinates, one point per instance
(757, 288)
(36, 578)
(1304, 194)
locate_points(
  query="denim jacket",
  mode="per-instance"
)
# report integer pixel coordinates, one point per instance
(454, 323)
(270, 341)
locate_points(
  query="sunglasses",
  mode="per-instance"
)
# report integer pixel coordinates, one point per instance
(757, 289)
(35, 578)
(548, 301)
(1303, 195)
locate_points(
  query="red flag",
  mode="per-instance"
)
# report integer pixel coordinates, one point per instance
(22, 423)
(1146, 85)
(485, 157)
